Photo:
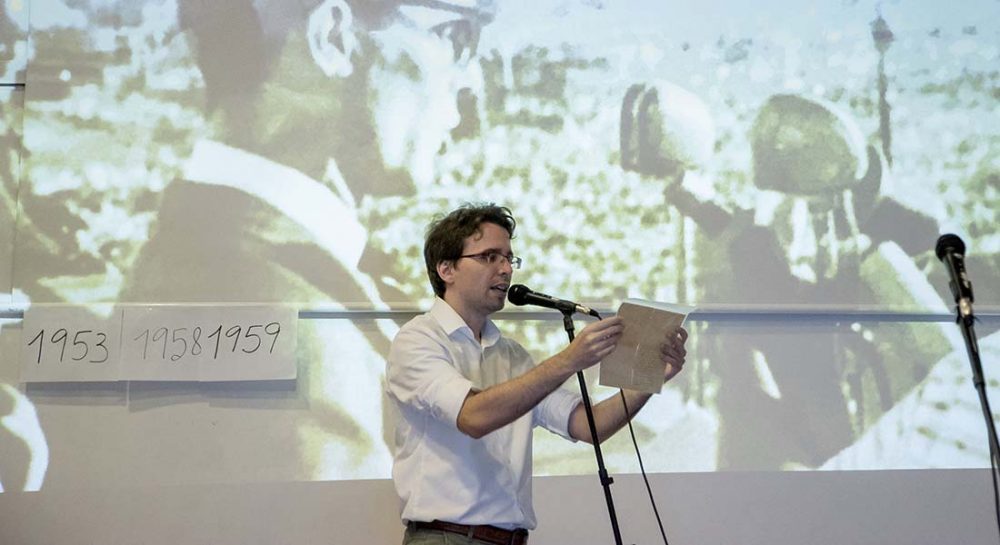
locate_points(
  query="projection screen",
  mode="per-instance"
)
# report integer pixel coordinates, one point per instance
(786, 168)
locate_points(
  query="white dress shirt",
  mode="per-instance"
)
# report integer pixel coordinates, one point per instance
(439, 472)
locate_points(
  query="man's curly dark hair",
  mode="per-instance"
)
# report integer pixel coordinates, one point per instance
(446, 235)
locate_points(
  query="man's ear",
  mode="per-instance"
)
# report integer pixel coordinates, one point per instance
(446, 270)
(332, 39)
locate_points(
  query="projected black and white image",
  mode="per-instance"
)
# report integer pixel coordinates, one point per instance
(748, 158)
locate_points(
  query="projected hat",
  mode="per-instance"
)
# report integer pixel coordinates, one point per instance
(806, 147)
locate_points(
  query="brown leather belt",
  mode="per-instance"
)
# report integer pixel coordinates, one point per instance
(489, 534)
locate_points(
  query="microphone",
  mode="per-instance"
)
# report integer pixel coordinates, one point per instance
(519, 294)
(951, 251)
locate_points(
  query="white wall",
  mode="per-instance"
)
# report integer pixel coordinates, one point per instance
(859, 508)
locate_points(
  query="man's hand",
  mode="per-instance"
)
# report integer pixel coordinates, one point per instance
(594, 343)
(486, 411)
(672, 352)
(609, 415)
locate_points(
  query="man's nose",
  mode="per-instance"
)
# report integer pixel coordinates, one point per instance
(506, 267)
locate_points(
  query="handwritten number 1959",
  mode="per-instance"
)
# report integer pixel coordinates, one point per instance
(61, 337)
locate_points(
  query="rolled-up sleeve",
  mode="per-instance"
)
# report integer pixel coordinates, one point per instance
(419, 375)
(554, 411)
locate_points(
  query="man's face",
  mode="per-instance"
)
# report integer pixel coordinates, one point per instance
(475, 285)
(362, 87)
(414, 92)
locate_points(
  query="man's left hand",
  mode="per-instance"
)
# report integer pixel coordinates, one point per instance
(672, 352)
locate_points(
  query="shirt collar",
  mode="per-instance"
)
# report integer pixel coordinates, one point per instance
(451, 322)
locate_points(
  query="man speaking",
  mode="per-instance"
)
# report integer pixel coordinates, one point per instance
(466, 398)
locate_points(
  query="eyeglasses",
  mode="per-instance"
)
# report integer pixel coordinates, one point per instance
(492, 257)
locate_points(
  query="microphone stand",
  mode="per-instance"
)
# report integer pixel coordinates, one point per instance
(965, 321)
(602, 471)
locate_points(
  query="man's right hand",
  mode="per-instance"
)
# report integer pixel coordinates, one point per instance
(490, 409)
(594, 343)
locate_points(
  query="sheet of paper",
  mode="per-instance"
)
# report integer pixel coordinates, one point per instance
(635, 364)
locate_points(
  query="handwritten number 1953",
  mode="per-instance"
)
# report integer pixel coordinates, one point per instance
(61, 337)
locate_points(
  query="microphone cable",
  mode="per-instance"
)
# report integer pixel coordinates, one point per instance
(638, 455)
(642, 469)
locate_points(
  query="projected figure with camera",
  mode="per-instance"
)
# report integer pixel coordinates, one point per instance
(820, 233)
(466, 398)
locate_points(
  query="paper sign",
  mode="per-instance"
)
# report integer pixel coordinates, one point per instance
(635, 364)
(70, 343)
(208, 343)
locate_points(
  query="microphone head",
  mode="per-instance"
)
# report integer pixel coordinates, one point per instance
(517, 294)
(949, 242)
